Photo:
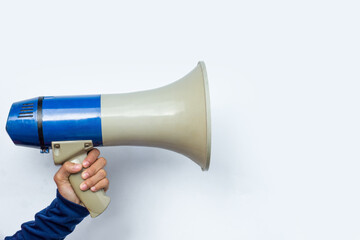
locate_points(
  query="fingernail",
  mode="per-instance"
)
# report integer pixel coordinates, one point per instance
(83, 186)
(85, 175)
(86, 164)
(93, 189)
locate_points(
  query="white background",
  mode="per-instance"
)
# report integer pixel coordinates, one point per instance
(284, 83)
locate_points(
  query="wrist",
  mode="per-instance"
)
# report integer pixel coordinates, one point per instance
(76, 207)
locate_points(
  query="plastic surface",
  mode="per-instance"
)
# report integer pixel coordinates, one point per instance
(72, 118)
(22, 123)
(76, 152)
(174, 117)
(208, 115)
(64, 118)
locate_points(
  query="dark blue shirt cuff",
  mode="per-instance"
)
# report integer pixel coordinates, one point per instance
(76, 208)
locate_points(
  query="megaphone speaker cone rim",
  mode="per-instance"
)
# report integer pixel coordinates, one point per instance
(208, 116)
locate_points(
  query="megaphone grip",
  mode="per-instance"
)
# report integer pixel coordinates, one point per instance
(95, 202)
(76, 152)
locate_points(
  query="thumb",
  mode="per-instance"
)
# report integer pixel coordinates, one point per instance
(65, 171)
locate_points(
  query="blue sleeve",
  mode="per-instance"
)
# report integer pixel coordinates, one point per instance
(54, 222)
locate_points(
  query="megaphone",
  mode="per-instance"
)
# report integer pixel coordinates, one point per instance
(174, 117)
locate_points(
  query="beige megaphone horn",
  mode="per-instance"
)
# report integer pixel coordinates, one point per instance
(174, 117)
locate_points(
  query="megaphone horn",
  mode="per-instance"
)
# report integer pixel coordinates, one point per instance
(174, 117)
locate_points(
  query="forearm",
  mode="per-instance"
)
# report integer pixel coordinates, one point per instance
(54, 222)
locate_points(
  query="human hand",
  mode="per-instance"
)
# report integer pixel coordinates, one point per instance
(94, 176)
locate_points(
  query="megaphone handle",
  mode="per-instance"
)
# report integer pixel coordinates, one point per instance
(95, 202)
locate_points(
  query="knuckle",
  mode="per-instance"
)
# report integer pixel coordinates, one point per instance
(102, 161)
(102, 173)
(89, 182)
(90, 171)
(66, 164)
(57, 177)
(96, 151)
(107, 182)
(104, 183)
